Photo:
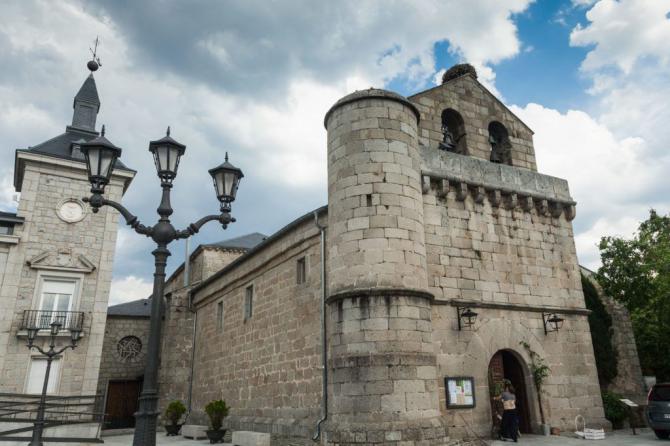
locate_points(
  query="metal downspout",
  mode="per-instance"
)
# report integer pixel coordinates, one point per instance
(324, 342)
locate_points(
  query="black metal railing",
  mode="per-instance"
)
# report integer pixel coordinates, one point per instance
(18, 411)
(41, 319)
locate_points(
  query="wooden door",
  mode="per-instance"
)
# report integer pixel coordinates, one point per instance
(122, 401)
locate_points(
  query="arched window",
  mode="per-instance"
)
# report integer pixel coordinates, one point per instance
(501, 147)
(453, 131)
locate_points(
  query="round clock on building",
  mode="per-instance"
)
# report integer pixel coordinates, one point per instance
(70, 211)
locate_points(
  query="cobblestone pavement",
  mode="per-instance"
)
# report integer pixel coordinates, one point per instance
(623, 438)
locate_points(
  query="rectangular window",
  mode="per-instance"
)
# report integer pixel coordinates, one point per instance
(248, 302)
(219, 316)
(38, 367)
(6, 229)
(55, 301)
(301, 271)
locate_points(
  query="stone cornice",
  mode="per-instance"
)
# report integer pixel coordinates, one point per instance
(380, 292)
(124, 176)
(513, 307)
(507, 186)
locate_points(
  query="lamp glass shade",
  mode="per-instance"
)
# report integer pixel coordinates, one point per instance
(556, 322)
(166, 152)
(55, 328)
(470, 317)
(101, 156)
(226, 181)
(32, 333)
(75, 335)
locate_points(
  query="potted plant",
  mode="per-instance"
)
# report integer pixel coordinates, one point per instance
(216, 411)
(173, 414)
(540, 371)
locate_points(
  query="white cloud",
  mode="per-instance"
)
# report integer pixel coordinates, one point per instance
(623, 32)
(129, 288)
(611, 179)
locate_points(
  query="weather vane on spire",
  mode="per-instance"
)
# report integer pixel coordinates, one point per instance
(94, 63)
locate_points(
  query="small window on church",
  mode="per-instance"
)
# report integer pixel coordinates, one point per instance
(501, 146)
(453, 132)
(219, 316)
(301, 271)
(248, 302)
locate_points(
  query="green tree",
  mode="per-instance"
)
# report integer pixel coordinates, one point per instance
(637, 273)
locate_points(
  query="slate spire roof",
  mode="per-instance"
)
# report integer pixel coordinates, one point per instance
(86, 105)
(88, 92)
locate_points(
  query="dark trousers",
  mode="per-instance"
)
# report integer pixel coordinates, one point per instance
(509, 424)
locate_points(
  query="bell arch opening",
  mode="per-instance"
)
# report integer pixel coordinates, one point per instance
(501, 146)
(507, 366)
(453, 132)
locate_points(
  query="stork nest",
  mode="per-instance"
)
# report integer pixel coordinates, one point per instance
(458, 71)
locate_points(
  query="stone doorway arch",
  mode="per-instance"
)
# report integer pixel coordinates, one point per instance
(507, 364)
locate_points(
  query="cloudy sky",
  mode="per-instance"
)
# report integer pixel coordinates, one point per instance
(254, 78)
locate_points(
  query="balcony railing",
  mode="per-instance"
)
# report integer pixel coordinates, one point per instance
(69, 320)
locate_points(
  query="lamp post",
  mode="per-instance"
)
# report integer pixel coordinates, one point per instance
(101, 155)
(75, 334)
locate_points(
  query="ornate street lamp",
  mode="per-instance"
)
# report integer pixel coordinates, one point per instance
(551, 322)
(166, 153)
(55, 327)
(466, 317)
(101, 155)
(226, 180)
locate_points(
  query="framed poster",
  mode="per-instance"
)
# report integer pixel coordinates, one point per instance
(460, 392)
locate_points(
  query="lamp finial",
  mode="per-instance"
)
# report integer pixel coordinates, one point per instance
(102, 131)
(168, 131)
(226, 156)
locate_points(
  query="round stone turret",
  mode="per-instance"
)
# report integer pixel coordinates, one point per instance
(382, 363)
(375, 207)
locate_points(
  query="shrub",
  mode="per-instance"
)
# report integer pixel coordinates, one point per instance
(615, 410)
(216, 411)
(174, 411)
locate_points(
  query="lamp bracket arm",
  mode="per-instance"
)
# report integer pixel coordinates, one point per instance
(39, 349)
(194, 228)
(131, 220)
(56, 353)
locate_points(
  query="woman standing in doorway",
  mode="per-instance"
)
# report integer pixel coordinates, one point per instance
(509, 425)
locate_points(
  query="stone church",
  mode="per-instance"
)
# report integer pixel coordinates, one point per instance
(443, 263)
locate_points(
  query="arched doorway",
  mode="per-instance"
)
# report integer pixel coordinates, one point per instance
(507, 365)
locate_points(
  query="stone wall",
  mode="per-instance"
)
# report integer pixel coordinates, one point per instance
(509, 262)
(113, 365)
(46, 182)
(267, 368)
(177, 345)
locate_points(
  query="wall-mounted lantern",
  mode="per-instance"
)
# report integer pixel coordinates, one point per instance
(466, 317)
(551, 322)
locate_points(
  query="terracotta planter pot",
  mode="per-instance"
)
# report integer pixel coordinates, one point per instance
(555, 431)
(216, 436)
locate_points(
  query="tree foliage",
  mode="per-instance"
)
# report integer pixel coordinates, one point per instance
(600, 323)
(637, 273)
